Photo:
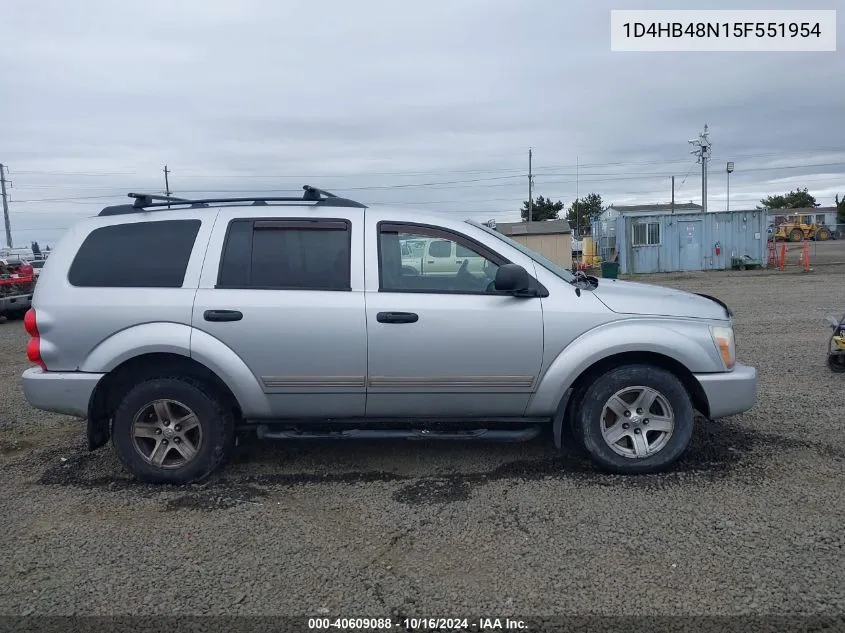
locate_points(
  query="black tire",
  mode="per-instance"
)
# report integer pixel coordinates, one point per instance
(17, 315)
(588, 418)
(836, 362)
(216, 424)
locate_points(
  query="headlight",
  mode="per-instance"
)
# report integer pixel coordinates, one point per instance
(723, 337)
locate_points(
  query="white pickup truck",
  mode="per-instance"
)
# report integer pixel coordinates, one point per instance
(439, 257)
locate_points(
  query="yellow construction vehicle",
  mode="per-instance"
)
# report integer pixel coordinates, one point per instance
(836, 345)
(801, 227)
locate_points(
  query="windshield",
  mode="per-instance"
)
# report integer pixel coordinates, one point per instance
(545, 262)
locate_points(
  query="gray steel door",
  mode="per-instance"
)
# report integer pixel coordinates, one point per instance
(690, 236)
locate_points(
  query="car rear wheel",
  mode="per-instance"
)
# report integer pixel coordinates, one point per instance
(635, 419)
(172, 430)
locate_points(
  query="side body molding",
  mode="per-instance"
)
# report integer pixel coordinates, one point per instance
(688, 343)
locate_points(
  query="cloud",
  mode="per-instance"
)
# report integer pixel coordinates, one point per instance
(260, 95)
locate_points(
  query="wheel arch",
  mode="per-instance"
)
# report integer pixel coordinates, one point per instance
(574, 394)
(111, 389)
(696, 392)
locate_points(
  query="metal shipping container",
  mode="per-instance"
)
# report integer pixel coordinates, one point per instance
(651, 243)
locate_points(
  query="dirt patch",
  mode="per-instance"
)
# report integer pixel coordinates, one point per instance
(717, 450)
(9, 447)
(216, 497)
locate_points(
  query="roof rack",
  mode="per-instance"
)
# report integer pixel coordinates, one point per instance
(155, 202)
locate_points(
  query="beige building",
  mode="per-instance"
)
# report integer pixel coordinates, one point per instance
(551, 238)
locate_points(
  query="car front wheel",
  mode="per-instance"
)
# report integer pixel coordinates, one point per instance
(172, 430)
(635, 419)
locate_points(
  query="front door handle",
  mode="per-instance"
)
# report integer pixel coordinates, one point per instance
(397, 317)
(222, 315)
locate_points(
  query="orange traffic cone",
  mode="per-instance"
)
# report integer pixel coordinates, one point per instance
(806, 257)
(782, 261)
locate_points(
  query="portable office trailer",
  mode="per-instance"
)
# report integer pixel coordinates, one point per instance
(689, 240)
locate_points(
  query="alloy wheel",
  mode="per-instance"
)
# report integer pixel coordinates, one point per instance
(637, 422)
(167, 434)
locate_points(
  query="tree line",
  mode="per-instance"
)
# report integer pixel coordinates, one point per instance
(582, 211)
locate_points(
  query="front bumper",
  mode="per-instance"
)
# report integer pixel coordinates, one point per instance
(730, 392)
(60, 392)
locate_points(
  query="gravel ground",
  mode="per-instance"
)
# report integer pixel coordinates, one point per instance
(751, 522)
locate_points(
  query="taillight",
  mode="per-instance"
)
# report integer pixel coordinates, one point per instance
(29, 323)
(33, 348)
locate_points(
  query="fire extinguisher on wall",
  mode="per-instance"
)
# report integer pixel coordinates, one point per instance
(718, 248)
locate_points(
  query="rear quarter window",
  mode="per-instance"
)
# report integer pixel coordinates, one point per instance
(135, 255)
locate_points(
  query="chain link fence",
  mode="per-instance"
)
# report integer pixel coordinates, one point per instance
(825, 243)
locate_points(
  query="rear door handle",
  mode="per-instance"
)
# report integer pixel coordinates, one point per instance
(397, 317)
(222, 315)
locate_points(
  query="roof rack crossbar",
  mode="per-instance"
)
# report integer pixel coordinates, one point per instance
(148, 201)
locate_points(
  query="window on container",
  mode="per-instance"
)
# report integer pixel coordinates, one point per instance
(287, 255)
(135, 255)
(639, 234)
(646, 234)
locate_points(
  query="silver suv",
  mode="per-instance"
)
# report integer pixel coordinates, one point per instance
(172, 324)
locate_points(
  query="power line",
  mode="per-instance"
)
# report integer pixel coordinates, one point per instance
(204, 173)
(44, 228)
(442, 185)
(577, 178)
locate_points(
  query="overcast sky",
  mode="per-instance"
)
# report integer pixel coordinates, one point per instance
(441, 97)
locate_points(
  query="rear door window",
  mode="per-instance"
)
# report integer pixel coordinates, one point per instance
(287, 254)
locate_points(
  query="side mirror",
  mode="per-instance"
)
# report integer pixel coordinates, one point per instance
(513, 279)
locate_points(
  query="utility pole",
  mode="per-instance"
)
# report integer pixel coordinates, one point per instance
(530, 187)
(702, 152)
(5, 206)
(578, 203)
(673, 195)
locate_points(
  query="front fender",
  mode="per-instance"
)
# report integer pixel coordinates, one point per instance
(688, 343)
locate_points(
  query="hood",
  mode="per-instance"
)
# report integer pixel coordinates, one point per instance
(627, 297)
